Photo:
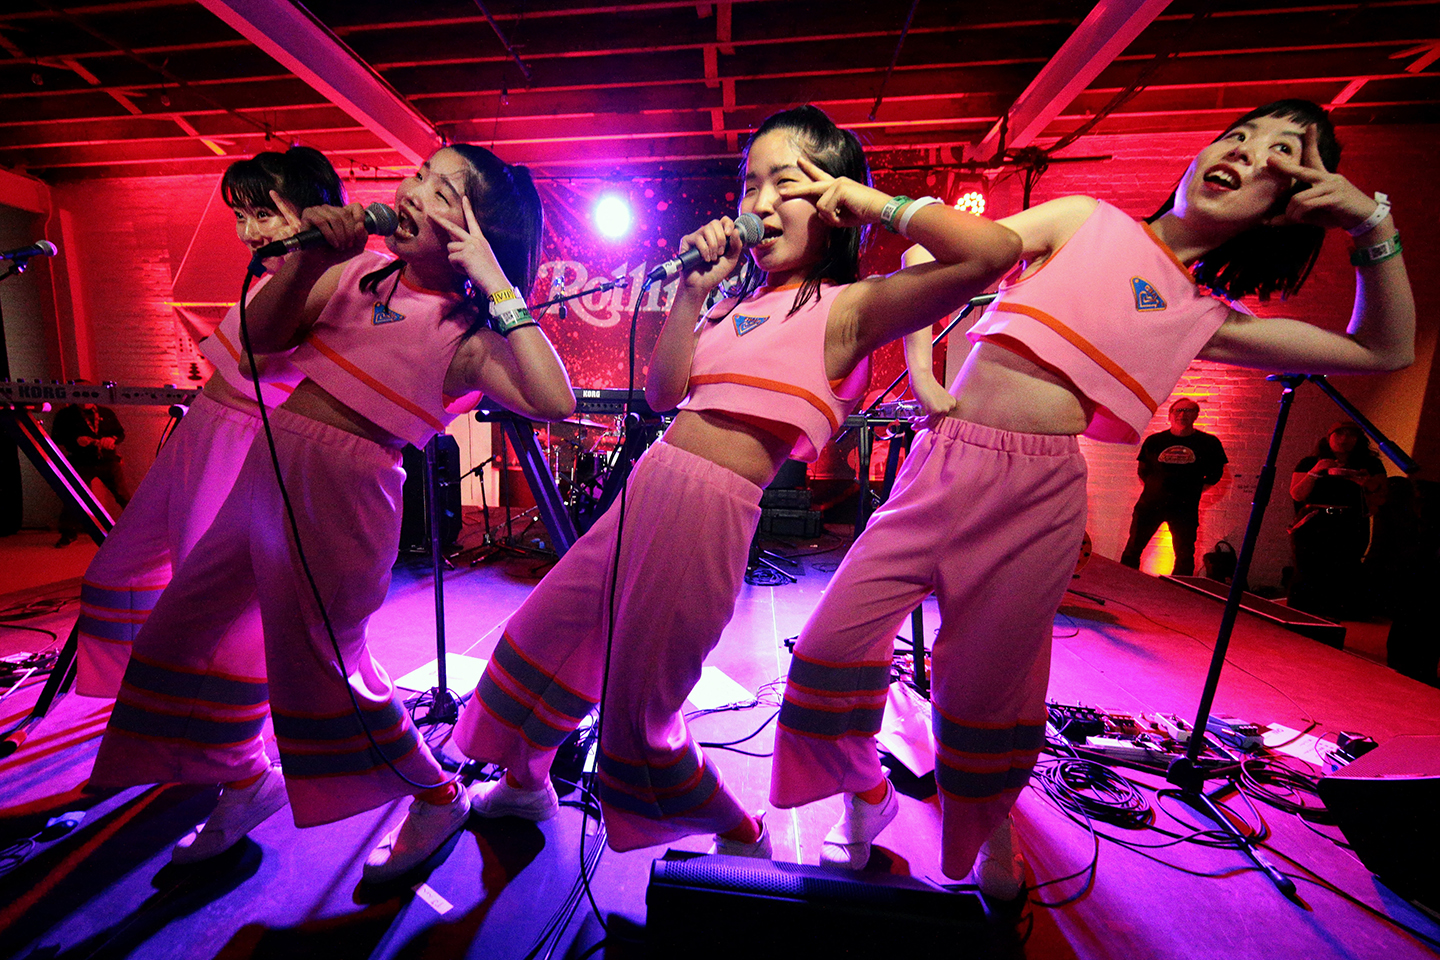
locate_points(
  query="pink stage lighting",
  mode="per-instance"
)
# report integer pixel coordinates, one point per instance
(612, 216)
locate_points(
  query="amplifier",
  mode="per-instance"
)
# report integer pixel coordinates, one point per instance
(35, 393)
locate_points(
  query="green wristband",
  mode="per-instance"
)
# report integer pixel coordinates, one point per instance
(1379, 253)
(891, 209)
(513, 319)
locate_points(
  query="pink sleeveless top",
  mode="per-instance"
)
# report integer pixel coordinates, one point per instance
(1116, 313)
(224, 348)
(387, 360)
(761, 364)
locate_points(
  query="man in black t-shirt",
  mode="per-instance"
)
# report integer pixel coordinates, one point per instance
(1176, 466)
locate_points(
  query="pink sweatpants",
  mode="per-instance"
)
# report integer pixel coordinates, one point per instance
(688, 526)
(173, 506)
(192, 707)
(990, 521)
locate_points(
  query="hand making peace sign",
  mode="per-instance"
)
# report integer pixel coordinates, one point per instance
(841, 201)
(1326, 199)
(470, 252)
(287, 212)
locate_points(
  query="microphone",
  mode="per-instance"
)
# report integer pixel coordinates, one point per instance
(380, 220)
(558, 290)
(40, 248)
(747, 227)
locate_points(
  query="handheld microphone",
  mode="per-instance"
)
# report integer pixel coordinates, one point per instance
(747, 227)
(380, 220)
(40, 248)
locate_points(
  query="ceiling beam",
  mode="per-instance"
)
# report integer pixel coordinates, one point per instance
(307, 49)
(1100, 38)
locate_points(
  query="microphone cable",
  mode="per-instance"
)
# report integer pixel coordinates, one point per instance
(305, 563)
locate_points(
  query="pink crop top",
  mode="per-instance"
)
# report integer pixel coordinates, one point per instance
(759, 363)
(385, 354)
(1115, 312)
(224, 348)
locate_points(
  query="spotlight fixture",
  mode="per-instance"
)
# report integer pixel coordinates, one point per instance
(971, 201)
(612, 216)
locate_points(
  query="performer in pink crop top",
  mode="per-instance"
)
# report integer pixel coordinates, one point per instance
(189, 480)
(385, 345)
(753, 381)
(989, 509)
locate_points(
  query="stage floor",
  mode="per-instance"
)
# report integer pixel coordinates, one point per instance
(105, 889)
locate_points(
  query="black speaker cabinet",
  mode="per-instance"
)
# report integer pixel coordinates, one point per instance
(719, 906)
(415, 521)
(1388, 806)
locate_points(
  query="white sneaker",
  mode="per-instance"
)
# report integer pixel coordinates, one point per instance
(236, 814)
(426, 827)
(760, 848)
(999, 869)
(848, 843)
(497, 798)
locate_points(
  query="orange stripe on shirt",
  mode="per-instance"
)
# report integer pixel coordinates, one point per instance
(286, 388)
(409, 406)
(1165, 248)
(225, 342)
(775, 385)
(1085, 347)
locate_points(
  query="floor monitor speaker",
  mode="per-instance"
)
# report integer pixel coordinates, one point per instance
(720, 906)
(1386, 803)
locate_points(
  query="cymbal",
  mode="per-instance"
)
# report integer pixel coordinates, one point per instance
(584, 424)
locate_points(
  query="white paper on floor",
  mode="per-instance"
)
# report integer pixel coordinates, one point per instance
(461, 674)
(1311, 749)
(905, 732)
(716, 689)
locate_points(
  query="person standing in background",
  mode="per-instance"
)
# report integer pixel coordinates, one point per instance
(90, 435)
(1176, 466)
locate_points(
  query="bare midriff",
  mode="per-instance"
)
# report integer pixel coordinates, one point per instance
(217, 388)
(754, 449)
(310, 400)
(1003, 386)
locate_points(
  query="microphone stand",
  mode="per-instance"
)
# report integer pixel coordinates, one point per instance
(1189, 773)
(620, 283)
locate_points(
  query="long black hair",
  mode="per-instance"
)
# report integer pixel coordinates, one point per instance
(839, 153)
(301, 175)
(1269, 258)
(507, 208)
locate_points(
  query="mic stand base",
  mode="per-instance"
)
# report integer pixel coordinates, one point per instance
(1190, 777)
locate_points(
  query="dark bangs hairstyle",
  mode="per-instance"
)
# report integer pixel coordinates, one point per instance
(301, 175)
(1268, 259)
(839, 153)
(507, 208)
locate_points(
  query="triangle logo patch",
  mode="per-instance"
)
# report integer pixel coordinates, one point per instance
(744, 324)
(384, 314)
(1146, 296)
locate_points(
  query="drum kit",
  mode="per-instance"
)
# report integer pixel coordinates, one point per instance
(580, 452)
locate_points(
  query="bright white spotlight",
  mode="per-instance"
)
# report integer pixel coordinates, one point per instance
(612, 216)
(971, 202)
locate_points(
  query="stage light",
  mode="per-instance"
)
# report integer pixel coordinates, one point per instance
(972, 201)
(612, 216)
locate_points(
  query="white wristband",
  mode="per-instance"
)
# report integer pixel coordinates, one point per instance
(1382, 210)
(903, 222)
